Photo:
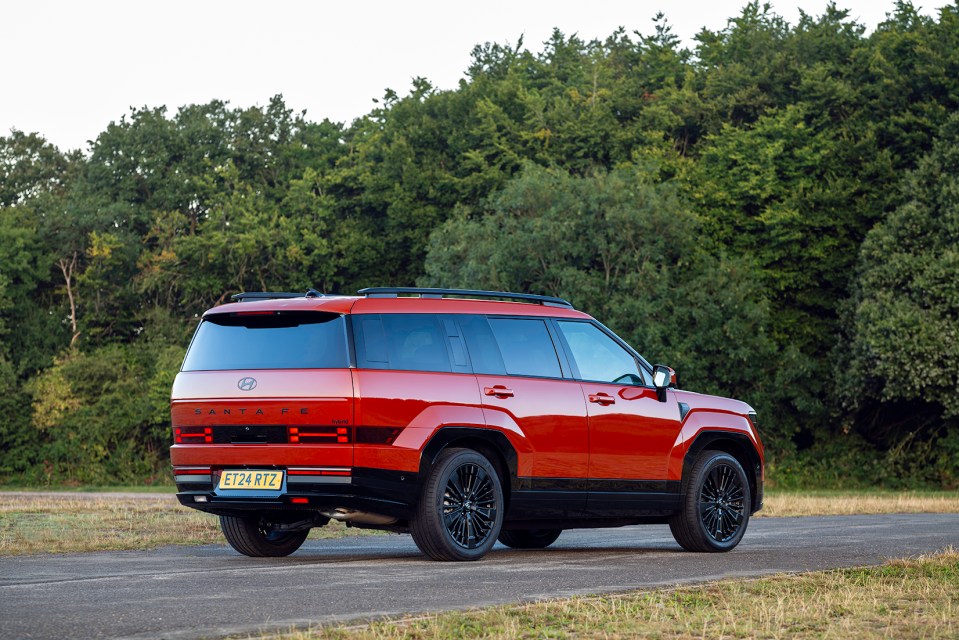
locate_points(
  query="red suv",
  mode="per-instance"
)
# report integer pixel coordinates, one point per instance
(461, 417)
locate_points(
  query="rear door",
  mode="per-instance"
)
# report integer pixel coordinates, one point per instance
(521, 379)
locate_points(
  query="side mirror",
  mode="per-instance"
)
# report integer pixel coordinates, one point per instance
(663, 378)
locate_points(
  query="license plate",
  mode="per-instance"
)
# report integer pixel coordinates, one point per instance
(236, 479)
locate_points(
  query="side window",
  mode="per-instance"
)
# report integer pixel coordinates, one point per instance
(526, 347)
(484, 353)
(599, 357)
(370, 340)
(415, 342)
(410, 342)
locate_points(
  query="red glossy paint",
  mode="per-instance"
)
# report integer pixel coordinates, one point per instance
(421, 402)
(300, 398)
(549, 414)
(631, 433)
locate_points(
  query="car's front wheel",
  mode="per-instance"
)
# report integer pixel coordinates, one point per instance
(460, 512)
(716, 505)
(257, 537)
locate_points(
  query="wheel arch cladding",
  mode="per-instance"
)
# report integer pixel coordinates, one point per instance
(494, 445)
(738, 446)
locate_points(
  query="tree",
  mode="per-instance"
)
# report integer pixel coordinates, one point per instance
(905, 315)
(625, 249)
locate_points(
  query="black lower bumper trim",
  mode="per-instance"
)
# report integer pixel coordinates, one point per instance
(390, 493)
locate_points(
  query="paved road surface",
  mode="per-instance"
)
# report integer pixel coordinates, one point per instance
(191, 592)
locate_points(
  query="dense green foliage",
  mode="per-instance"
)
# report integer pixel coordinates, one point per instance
(772, 212)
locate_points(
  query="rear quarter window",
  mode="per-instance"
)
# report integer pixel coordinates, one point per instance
(402, 342)
(291, 340)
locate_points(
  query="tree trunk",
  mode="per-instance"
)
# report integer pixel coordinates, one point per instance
(67, 269)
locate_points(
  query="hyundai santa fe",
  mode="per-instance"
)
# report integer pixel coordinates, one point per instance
(460, 417)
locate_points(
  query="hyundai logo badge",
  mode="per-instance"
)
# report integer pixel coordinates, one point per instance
(246, 384)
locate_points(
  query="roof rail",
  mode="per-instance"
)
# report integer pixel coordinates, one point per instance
(272, 295)
(427, 292)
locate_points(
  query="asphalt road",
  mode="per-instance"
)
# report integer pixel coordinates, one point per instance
(210, 591)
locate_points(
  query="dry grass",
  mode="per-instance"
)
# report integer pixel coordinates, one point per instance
(777, 504)
(903, 599)
(44, 523)
(62, 524)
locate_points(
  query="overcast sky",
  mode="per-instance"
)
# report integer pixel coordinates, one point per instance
(70, 68)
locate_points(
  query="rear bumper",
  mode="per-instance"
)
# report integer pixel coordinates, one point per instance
(391, 493)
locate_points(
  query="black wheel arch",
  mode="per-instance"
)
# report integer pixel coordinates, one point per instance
(492, 444)
(737, 445)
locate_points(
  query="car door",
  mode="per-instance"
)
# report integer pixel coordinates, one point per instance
(523, 389)
(631, 433)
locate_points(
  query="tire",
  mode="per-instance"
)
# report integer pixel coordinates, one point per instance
(715, 507)
(253, 536)
(529, 538)
(461, 507)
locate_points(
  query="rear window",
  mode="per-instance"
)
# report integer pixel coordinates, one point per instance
(289, 340)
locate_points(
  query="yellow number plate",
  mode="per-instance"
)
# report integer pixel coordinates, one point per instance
(269, 480)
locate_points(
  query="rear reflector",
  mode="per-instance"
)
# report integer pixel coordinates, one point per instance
(377, 435)
(318, 471)
(300, 500)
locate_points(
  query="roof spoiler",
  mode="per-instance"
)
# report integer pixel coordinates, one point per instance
(273, 295)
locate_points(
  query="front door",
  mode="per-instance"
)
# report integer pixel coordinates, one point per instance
(631, 433)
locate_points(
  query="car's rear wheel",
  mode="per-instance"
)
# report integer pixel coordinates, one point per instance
(460, 511)
(529, 538)
(256, 536)
(716, 505)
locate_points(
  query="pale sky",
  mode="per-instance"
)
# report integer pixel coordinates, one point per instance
(70, 68)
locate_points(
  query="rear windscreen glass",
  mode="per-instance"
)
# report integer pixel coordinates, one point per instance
(300, 340)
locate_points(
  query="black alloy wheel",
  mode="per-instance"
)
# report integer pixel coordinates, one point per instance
(469, 505)
(461, 509)
(721, 503)
(716, 504)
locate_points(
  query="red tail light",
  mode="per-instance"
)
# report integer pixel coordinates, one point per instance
(319, 435)
(192, 435)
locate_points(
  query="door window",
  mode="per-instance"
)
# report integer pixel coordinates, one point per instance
(526, 347)
(599, 357)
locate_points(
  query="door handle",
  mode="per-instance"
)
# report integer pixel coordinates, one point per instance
(602, 398)
(499, 391)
